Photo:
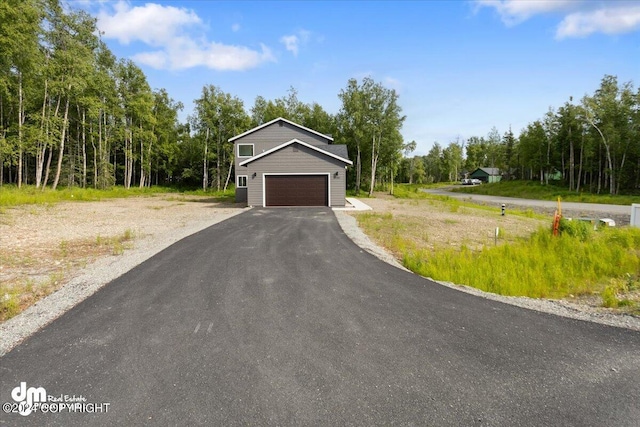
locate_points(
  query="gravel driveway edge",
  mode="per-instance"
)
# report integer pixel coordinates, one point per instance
(92, 278)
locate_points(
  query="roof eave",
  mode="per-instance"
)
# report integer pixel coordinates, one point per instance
(264, 125)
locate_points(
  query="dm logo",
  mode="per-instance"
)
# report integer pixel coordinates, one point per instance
(27, 397)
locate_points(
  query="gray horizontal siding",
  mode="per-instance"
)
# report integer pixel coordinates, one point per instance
(241, 195)
(294, 159)
(274, 135)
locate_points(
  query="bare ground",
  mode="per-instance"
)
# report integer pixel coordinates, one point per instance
(440, 225)
(44, 247)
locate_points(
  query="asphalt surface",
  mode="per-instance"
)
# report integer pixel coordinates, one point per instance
(274, 317)
(620, 213)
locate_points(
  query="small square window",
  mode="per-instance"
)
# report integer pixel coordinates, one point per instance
(245, 150)
(242, 181)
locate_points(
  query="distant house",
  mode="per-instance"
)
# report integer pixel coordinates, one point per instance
(554, 175)
(282, 163)
(486, 175)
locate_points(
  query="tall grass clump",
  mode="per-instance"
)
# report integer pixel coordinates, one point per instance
(542, 266)
(582, 230)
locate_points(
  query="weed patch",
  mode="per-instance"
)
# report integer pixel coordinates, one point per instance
(30, 275)
(539, 267)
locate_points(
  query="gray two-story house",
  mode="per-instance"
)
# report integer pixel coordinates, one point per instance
(282, 163)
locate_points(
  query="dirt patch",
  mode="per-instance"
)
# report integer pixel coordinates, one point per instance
(43, 247)
(450, 225)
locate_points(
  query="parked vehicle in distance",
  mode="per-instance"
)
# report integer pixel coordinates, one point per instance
(471, 181)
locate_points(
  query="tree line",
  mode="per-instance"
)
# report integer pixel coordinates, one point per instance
(73, 114)
(592, 145)
(70, 112)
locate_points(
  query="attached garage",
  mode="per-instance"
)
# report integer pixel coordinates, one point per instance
(296, 190)
(281, 163)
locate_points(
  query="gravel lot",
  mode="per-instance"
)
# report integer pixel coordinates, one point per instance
(31, 237)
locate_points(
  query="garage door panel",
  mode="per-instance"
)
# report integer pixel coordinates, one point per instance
(296, 190)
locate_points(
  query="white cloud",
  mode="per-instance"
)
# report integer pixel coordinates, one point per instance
(293, 42)
(513, 12)
(580, 18)
(152, 24)
(170, 30)
(235, 28)
(609, 21)
(157, 59)
(290, 43)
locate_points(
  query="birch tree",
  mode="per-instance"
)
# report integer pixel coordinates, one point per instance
(19, 47)
(218, 117)
(370, 120)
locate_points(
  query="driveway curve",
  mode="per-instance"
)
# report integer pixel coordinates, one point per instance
(275, 317)
(621, 213)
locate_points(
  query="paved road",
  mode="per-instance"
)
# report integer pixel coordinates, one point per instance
(274, 317)
(621, 213)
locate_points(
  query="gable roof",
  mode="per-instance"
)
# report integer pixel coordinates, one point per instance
(339, 150)
(304, 144)
(488, 171)
(264, 125)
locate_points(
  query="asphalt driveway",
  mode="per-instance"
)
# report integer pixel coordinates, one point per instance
(274, 317)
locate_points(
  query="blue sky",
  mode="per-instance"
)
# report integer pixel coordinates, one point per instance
(460, 67)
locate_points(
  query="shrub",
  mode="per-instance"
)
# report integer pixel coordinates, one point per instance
(609, 297)
(579, 229)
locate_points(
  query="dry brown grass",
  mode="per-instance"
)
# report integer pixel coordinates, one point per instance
(42, 247)
(438, 224)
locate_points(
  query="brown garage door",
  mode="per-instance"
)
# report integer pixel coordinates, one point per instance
(296, 190)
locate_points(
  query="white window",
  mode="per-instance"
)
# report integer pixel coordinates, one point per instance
(245, 150)
(241, 181)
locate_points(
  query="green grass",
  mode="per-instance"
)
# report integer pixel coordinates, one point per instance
(14, 298)
(534, 190)
(581, 261)
(541, 266)
(9, 302)
(29, 195)
(118, 243)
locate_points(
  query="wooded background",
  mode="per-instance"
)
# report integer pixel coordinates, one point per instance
(73, 114)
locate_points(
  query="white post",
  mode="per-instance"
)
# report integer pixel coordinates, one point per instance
(635, 215)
